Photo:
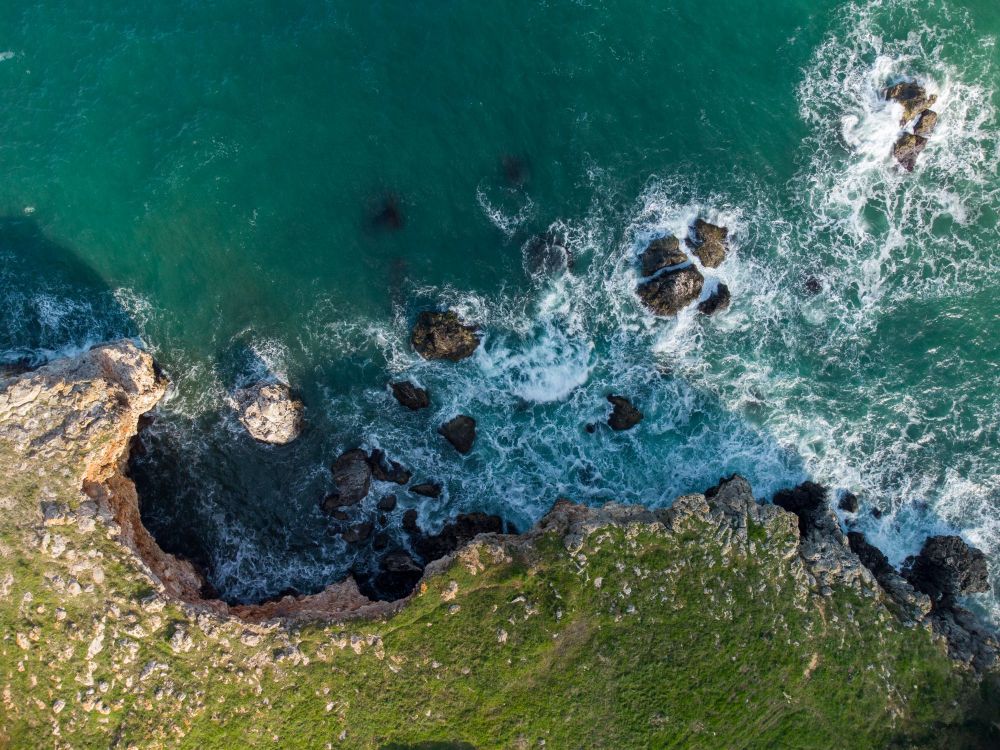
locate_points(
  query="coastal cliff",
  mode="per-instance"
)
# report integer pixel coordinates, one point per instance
(717, 622)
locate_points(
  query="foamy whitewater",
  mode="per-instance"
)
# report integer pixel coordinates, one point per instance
(884, 383)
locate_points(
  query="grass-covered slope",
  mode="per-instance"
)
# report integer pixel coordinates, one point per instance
(609, 628)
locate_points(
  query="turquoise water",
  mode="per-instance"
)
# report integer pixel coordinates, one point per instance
(204, 176)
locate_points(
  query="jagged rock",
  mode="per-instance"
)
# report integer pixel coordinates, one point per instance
(462, 530)
(410, 520)
(460, 432)
(709, 242)
(807, 501)
(907, 149)
(359, 533)
(912, 96)
(387, 470)
(427, 489)
(848, 502)
(671, 291)
(719, 300)
(910, 605)
(387, 503)
(624, 416)
(661, 253)
(443, 335)
(547, 255)
(398, 574)
(947, 567)
(410, 395)
(269, 412)
(352, 476)
(926, 123)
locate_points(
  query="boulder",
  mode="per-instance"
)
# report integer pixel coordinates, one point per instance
(398, 574)
(671, 291)
(848, 502)
(270, 413)
(624, 416)
(425, 489)
(460, 432)
(410, 521)
(387, 503)
(660, 253)
(912, 96)
(443, 335)
(411, 396)
(709, 242)
(352, 476)
(387, 470)
(718, 300)
(547, 255)
(907, 149)
(947, 567)
(359, 533)
(926, 123)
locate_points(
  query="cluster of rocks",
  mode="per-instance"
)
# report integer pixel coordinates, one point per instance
(924, 590)
(916, 104)
(672, 282)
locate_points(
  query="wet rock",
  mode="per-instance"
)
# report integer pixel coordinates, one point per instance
(426, 489)
(661, 253)
(947, 567)
(387, 503)
(807, 501)
(709, 242)
(359, 533)
(912, 96)
(410, 395)
(848, 502)
(387, 470)
(907, 149)
(813, 285)
(909, 604)
(717, 301)
(876, 512)
(398, 575)
(410, 521)
(624, 416)
(671, 291)
(443, 335)
(547, 255)
(462, 530)
(926, 123)
(270, 413)
(870, 555)
(352, 476)
(460, 432)
(381, 541)
(590, 428)
(333, 505)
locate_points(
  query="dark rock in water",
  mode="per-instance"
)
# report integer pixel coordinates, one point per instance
(381, 541)
(912, 96)
(358, 533)
(410, 521)
(709, 242)
(460, 432)
(462, 530)
(590, 428)
(352, 476)
(870, 555)
(672, 291)
(397, 576)
(410, 395)
(807, 501)
(426, 489)
(515, 169)
(624, 416)
(719, 300)
(547, 255)
(387, 503)
(848, 502)
(383, 519)
(925, 125)
(386, 470)
(443, 335)
(389, 214)
(813, 285)
(947, 567)
(907, 149)
(332, 504)
(661, 253)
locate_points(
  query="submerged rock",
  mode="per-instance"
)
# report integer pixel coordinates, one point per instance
(389, 214)
(671, 291)
(270, 413)
(352, 476)
(460, 432)
(709, 242)
(443, 335)
(912, 96)
(719, 300)
(410, 395)
(624, 416)
(661, 253)
(547, 255)
(424, 489)
(813, 285)
(947, 567)
(907, 149)
(387, 470)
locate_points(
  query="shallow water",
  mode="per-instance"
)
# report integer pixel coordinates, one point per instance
(207, 179)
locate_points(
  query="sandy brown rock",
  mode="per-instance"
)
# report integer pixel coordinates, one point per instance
(912, 96)
(270, 413)
(709, 242)
(443, 335)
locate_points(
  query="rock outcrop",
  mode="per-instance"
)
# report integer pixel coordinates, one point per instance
(671, 291)
(907, 149)
(624, 415)
(410, 395)
(352, 477)
(916, 103)
(443, 335)
(912, 96)
(709, 242)
(547, 255)
(460, 431)
(270, 413)
(661, 253)
(718, 301)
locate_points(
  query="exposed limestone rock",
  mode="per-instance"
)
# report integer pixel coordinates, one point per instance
(443, 335)
(269, 412)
